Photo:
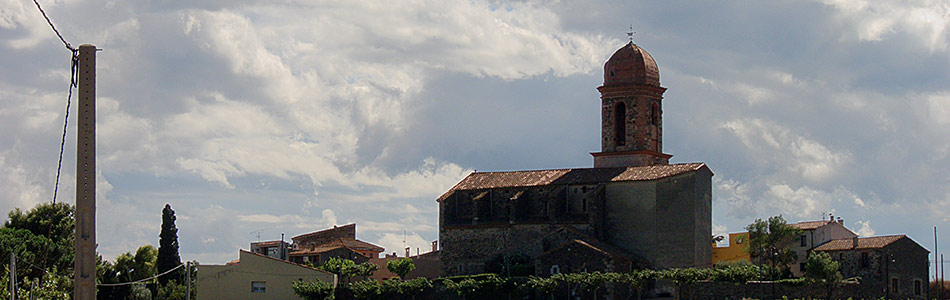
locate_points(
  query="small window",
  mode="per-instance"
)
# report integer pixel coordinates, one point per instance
(801, 267)
(555, 270)
(804, 241)
(894, 284)
(620, 124)
(865, 260)
(917, 291)
(841, 256)
(258, 286)
(655, 114)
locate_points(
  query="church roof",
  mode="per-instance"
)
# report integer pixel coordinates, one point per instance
(491, 180)
(631, 65)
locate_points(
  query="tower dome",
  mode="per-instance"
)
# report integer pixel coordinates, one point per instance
(631, 65)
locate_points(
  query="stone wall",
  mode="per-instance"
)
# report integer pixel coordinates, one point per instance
(771, 290)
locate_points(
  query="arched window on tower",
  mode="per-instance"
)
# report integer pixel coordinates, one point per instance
(620, 124)
(655, 111)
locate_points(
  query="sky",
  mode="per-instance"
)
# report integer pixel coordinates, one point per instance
(260, 118)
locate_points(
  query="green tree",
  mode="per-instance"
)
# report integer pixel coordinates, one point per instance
(401, 266)
(769, 243)
(346, 268)
(168, 257)
(42, 236)
(313, 290)
(127, 268)
(821, 268)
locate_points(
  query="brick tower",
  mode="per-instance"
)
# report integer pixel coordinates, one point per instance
(631, 111)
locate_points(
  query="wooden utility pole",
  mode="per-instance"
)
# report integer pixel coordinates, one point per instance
(85, 260)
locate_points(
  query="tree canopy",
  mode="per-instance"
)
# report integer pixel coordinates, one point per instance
(401, 266)
(769, 242)
(168, 257)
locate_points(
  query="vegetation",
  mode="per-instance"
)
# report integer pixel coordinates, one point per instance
(168, 257)
(401, 266)
(314, 290)
(768, 244)
(345, 268)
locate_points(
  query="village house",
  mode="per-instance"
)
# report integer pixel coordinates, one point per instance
(340, 242)
(255, 276)
(894, 265)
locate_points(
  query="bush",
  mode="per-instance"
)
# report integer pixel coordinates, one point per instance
(314, 290)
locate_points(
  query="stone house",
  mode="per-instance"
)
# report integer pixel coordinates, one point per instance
(815, 233)
(275, 249)
(894, 265)
(340, 242)
(631, 209)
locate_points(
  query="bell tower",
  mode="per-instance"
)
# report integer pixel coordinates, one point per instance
(631, 111)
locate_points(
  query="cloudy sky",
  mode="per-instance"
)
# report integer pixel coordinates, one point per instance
(290, 116)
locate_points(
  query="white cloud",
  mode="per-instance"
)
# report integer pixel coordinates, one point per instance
(397, 242)
(769, 143)
(329, 218)
(927, 20)
(865, 229)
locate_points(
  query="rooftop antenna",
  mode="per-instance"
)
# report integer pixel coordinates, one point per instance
(258, 232)
(631, 33)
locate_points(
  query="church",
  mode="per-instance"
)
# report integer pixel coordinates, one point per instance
(632, 210)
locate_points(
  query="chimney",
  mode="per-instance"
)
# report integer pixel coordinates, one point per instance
(840, 221)
(854, 242)
(407, 251)
(832, 217)
(435, 246)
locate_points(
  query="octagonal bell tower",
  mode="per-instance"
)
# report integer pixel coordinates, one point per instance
(631, 111)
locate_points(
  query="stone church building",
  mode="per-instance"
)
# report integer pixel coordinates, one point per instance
(632, 210)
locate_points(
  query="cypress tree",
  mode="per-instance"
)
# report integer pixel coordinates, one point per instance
(168, 257)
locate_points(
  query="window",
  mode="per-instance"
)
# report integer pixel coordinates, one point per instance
(917, 287)
(804, 241)
(555, 270)
(801, 267)
(258, 286)
(865, 260)
(894, 284)
(620, 124)
(655, 113)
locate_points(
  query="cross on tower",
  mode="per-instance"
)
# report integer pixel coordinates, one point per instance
(631, 33)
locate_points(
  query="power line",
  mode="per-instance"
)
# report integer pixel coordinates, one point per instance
(62, 145)
(74, 65)
(68, 46)
(140, 280)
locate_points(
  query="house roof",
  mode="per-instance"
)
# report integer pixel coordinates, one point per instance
(491, 180)
(352, 244)
(874, 242)
(238, 261)
(267, 243)
(335, 228)
(808, 225)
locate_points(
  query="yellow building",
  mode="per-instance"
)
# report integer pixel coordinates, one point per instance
(255, 276)
(736, 251)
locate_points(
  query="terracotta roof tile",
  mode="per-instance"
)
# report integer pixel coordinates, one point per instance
(335, 228)
(352, 244)
(874, 242)
(808, 225)
(491, 180)
(267, 243)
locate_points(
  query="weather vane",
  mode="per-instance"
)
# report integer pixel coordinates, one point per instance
(631, 33)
